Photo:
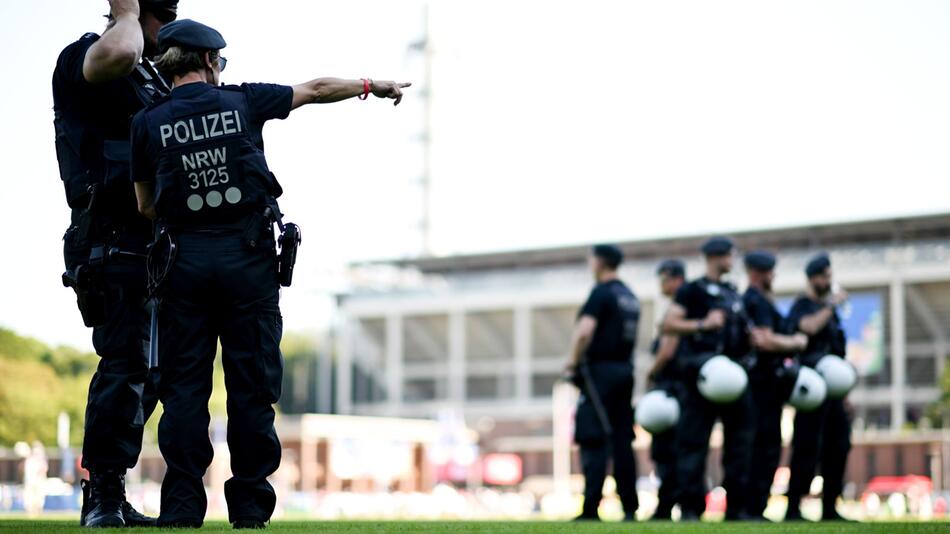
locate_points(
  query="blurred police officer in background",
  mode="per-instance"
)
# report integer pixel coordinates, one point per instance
(98, 84)
(823, 436)
(199, 170)
(602, 367)
(672, 275)
(707, 315)
(772, 347)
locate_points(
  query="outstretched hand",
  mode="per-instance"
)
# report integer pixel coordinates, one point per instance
(388, 89)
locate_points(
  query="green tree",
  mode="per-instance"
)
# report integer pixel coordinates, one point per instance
(13, 346)
(29, 401)
(40, 382)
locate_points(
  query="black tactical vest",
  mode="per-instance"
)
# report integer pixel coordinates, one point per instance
(92, 145)
(733, 339)
(208, 168)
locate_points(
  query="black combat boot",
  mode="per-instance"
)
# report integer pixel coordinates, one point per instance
(741, 516)
(98, 503)
(833, 515)
(689, 516)
(102, 499)
(662, 513)
(134, 518)
(254, 524)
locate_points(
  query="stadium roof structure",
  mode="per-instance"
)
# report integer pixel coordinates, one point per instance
(893, 230)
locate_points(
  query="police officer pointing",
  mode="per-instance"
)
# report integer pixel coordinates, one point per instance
(823, 436)
(707, 315)
(772, 347)
(199, 170)
(98, 84)
(602, 366)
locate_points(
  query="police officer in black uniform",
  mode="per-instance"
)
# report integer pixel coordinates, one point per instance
(772, 348)
(199, 170)
(707, 314)
(663, 375)
(602, 367)
(98, 84)
(823, 436)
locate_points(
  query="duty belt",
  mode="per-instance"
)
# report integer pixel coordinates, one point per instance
(254, 227)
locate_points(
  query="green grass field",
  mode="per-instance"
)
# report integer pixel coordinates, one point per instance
(479, 527)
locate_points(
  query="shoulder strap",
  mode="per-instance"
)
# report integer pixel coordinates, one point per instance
(154, 76)
(144, 80)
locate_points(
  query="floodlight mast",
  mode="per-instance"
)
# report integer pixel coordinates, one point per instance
(424, 46)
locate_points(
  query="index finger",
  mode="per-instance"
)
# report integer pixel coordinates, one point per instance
(405, 84)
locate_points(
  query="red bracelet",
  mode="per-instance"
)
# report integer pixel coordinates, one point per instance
(365, 94)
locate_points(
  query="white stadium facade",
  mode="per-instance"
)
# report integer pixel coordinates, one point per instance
(485, 336)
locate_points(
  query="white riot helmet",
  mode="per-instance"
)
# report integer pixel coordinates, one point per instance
(721, 380)
(839, 375)
(657, 411)
(809, 390)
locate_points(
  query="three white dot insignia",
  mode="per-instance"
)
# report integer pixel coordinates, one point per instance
(213, 199)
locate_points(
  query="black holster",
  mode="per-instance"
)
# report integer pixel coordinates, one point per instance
(87, 279)
(290, 239)
(89, 226)
(89, 284)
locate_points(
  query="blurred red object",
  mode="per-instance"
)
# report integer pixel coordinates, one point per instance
(716, 501)
(908, 484)
(502, 469)
(940, 506)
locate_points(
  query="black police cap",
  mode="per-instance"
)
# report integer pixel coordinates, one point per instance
(817, 265)
(611, 254)
(187, 33)
(674, 268)
(760, 260)
(717, 246)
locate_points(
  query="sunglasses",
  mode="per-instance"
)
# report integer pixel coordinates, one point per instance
(222, 63)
